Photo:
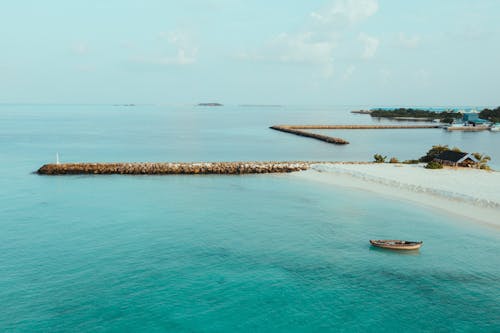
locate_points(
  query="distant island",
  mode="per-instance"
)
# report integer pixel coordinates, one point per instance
(210, 104)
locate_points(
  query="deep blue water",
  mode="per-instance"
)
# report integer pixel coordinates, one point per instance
(225, 253)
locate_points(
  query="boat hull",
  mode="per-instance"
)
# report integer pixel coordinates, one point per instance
(396, 244)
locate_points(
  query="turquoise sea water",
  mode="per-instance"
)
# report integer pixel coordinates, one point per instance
(225, 253)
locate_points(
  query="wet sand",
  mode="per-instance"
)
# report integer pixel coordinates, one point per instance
(470, 193)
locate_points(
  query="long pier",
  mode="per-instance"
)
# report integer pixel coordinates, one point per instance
(468, 128)
(299, 130)
(296, 131)
(168, 168)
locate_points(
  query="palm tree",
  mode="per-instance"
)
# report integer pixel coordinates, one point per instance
(482, 160)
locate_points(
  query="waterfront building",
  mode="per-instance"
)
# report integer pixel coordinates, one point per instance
(472, 118)
(455, 158)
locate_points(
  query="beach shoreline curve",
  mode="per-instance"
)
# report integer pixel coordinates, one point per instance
(469, 193)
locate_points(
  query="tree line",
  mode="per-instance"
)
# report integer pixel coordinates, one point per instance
(492, 115)
(447, 116)
(444, 116)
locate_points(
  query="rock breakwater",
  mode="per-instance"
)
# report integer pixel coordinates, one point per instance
(222, 168)
(299, 130)
(356, 126)
(325, 138)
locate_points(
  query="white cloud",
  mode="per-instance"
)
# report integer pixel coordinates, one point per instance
(346, 11)
(349, 72)
(80, 48)
(422, 76)
(409, 42)
(370, 45)
(129, 45)
(181, 58)
(385, 75)
(328, 34)
(302, 48)
(86, 68)
(176, 47)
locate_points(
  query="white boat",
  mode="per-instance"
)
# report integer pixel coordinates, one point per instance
(396, 244)
(456, 124)
(495, 127)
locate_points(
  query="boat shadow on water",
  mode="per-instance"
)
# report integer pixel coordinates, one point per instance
(394, 252)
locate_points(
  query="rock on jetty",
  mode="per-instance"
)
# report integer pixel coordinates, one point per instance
(222, 168)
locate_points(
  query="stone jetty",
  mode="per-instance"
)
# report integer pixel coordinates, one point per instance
(299, 130)
(468, 128)
(357, 126)
(222, 168)
(326, 138)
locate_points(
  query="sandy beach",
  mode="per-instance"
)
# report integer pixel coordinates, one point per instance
(470, 193)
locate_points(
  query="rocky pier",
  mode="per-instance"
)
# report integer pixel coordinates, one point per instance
(299, 130)
(166, 168)
(296, 130)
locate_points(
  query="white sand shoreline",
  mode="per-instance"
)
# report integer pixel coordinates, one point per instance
(470, 193)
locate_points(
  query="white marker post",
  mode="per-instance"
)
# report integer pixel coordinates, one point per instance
(57, 158)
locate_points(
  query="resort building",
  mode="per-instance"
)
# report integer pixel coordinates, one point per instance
(455, 158)
(472, 118)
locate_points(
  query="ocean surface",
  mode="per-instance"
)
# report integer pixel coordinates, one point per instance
(227, 253)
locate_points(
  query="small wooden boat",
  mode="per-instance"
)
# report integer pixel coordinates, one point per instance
(395, 244)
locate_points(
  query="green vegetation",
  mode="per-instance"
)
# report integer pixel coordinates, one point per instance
(448, 116)
(379, 158)
(492, 115)
(434, 165)
(483, 161)
(445, 116)
(435, 151)
(411, 162)
(432, 154)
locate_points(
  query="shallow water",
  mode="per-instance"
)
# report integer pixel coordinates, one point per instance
(219, 253)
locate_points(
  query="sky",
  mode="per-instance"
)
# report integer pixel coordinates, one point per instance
(308, 52)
